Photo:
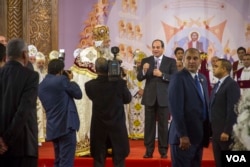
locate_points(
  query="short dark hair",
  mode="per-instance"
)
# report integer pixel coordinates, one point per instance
(55, 66)
(192, 50)
(101, 65)
(227, 64)
(241, 48)
(177, 49)
(2, 52)
(162, 43)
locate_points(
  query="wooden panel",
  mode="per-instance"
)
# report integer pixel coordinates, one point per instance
(14, 19)
(3, 16)
(42, 24)
(36, 21)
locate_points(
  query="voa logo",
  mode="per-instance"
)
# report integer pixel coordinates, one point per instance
(236, 158)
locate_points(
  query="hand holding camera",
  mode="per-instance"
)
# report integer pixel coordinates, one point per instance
(68, 74)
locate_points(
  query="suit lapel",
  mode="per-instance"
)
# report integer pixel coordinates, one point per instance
(152, 62)
(193, 83)
(213, 95)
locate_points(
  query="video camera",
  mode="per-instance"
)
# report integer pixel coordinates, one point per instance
(61, 55)
(114, 67)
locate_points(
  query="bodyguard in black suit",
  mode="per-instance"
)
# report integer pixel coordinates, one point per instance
(18, 119)
(157, 70)
(223, 99)
(188, 105)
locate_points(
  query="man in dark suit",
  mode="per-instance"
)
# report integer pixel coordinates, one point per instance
(18, 119)
(223, 100)
(57, 94)
(108, 127)
(188, 105)
(157, 70)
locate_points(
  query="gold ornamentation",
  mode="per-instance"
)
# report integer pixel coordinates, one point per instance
(137, 123)
(101, 33)
(203, 56)
(41, 25)
(138, 106)
(139, 55)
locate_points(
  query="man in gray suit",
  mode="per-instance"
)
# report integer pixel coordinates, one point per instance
(225, 95)
(157, 70)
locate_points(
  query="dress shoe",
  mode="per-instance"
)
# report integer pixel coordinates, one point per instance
(148, 156)
(164, 156)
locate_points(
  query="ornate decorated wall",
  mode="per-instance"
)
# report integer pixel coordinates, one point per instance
(223, 25)
(36, 21)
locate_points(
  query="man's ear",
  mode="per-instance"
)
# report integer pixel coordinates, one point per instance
(25, 58)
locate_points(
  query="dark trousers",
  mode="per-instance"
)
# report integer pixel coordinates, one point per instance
(186, 158)
(18, 161)
(219, 146)
(153, 113)
(99, 161)
(116, 163)
(64, 148)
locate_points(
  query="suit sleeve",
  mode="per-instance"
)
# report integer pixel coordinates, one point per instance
(176, 96)
(72, 88)
(172, 70)
(126, 95)
(26, 109)
(140, 75)
(233, 96)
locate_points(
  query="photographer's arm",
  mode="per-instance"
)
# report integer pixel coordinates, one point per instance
(73, 89)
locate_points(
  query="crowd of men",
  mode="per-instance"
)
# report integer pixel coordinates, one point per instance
(175, 90)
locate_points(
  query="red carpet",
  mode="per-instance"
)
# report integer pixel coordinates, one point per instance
(46, 157)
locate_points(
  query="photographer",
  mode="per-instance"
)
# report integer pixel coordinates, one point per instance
(57, 94)
(108, 126)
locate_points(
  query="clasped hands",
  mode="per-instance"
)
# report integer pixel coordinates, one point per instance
(184, 143)
(156, 72)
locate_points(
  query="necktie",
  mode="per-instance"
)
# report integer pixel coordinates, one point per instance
(215, 89)
(216, 86)
(199, 87)
(157, 63)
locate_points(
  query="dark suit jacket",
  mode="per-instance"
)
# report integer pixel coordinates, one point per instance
(57, 95)
(186, 106)
(222, 113)
(18, 118)
(108, 116)
(156, 87)
(30, 66)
